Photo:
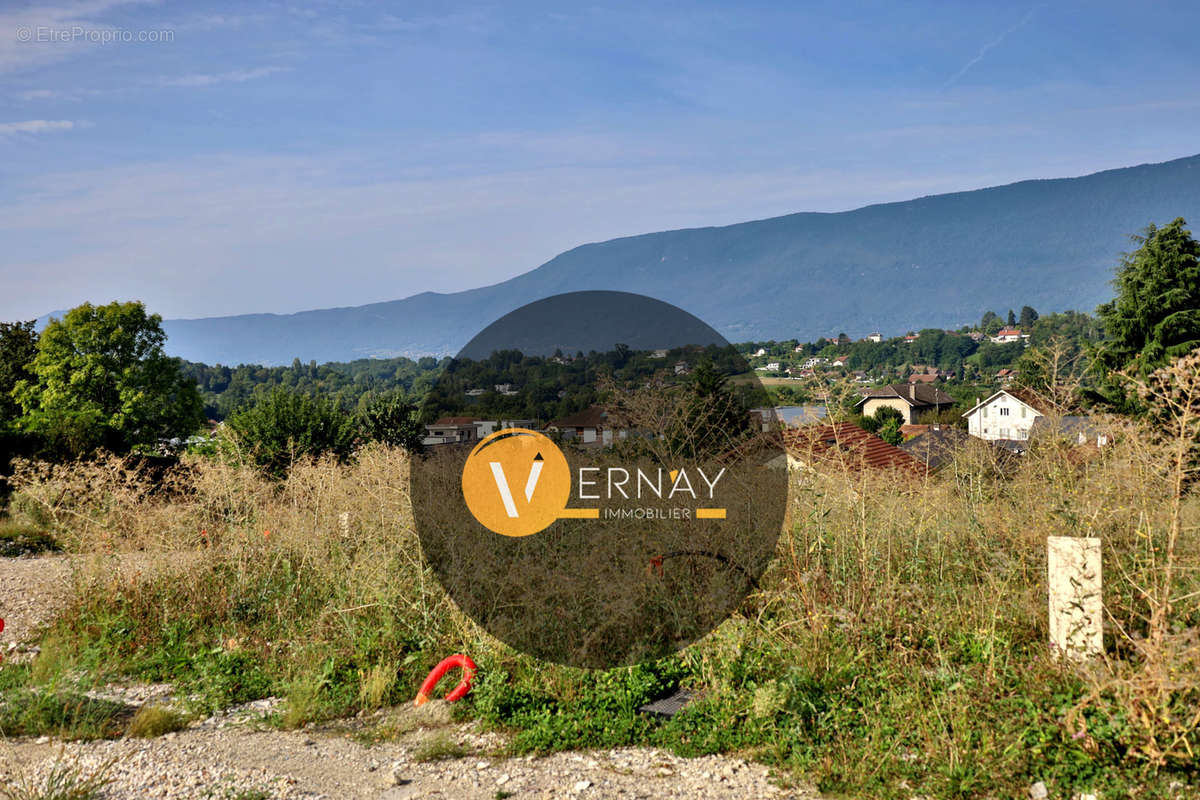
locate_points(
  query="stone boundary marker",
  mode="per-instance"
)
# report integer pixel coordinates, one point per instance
(1076, 603)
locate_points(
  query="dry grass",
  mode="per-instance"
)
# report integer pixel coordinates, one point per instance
(922, 600)
(151, 721)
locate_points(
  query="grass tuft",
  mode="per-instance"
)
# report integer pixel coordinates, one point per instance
(63, 714)
(151, 721)
(438, 746)
(63, 781)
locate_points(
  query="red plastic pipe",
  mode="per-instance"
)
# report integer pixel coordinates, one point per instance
(460, 691)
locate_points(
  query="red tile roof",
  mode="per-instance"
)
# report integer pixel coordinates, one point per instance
(590, 417)
(450, 421)
(1031, 399)
(850, 445)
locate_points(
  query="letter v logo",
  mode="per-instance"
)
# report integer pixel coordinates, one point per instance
(493, 475)
(535, 471)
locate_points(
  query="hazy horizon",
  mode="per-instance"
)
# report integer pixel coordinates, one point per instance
(273, 160)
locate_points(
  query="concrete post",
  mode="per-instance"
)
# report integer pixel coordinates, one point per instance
(1076, 602)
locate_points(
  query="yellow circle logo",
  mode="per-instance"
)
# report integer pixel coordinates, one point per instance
(516, 482)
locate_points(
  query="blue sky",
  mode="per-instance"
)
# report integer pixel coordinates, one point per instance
(285, 156)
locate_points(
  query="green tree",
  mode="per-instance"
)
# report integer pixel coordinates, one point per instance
(1012, 318)
(18, 346)
(285, 426)
(1028, 317)
(1155, 317)
(390, 418)
(100, 379)
(889, 431)
(885, 416)
(715, 417)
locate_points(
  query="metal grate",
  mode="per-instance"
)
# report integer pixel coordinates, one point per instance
(670, 705)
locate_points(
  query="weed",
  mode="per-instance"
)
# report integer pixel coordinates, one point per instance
(63, 781)
(896, 646)
(152, 720)
(438, 746)
(61, 713)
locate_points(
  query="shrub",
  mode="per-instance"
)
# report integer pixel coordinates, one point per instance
(283, 427)
(391, 419)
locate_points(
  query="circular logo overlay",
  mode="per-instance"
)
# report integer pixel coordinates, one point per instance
(543, 482)
(601, 483)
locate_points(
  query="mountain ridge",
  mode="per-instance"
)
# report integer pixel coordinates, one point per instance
(938, 260)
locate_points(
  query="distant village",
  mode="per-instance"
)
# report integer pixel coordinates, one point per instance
(930, 425)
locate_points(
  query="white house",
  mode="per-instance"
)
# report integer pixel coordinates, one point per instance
(1007, 414)
(1009, 335)
(759, 353)
(875, 337)
(454, 430)
(588, 427)
(772, 366)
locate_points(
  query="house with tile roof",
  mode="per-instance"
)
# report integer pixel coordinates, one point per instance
(846, 445)
(1007, 415)
(1082, 430)
(933, 445)
(911, 400)
(1006, 334)
(452, 430)
(590, 427)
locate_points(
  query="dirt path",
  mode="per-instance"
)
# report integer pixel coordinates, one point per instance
(238, 757)
(226, 761)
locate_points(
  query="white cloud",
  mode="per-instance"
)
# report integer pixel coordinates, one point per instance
(39, 94)
(37, 126)
(235, 76)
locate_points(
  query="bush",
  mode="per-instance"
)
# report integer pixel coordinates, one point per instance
(391, 419)
(283, 427)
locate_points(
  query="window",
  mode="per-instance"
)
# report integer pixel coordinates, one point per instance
(1022, 412)
(1004, 412)
(1004, 433)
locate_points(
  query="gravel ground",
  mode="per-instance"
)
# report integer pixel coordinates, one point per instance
(30, 591)
(223, 762)
(235, 756)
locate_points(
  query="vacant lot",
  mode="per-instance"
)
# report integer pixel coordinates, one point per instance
(896, 646)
